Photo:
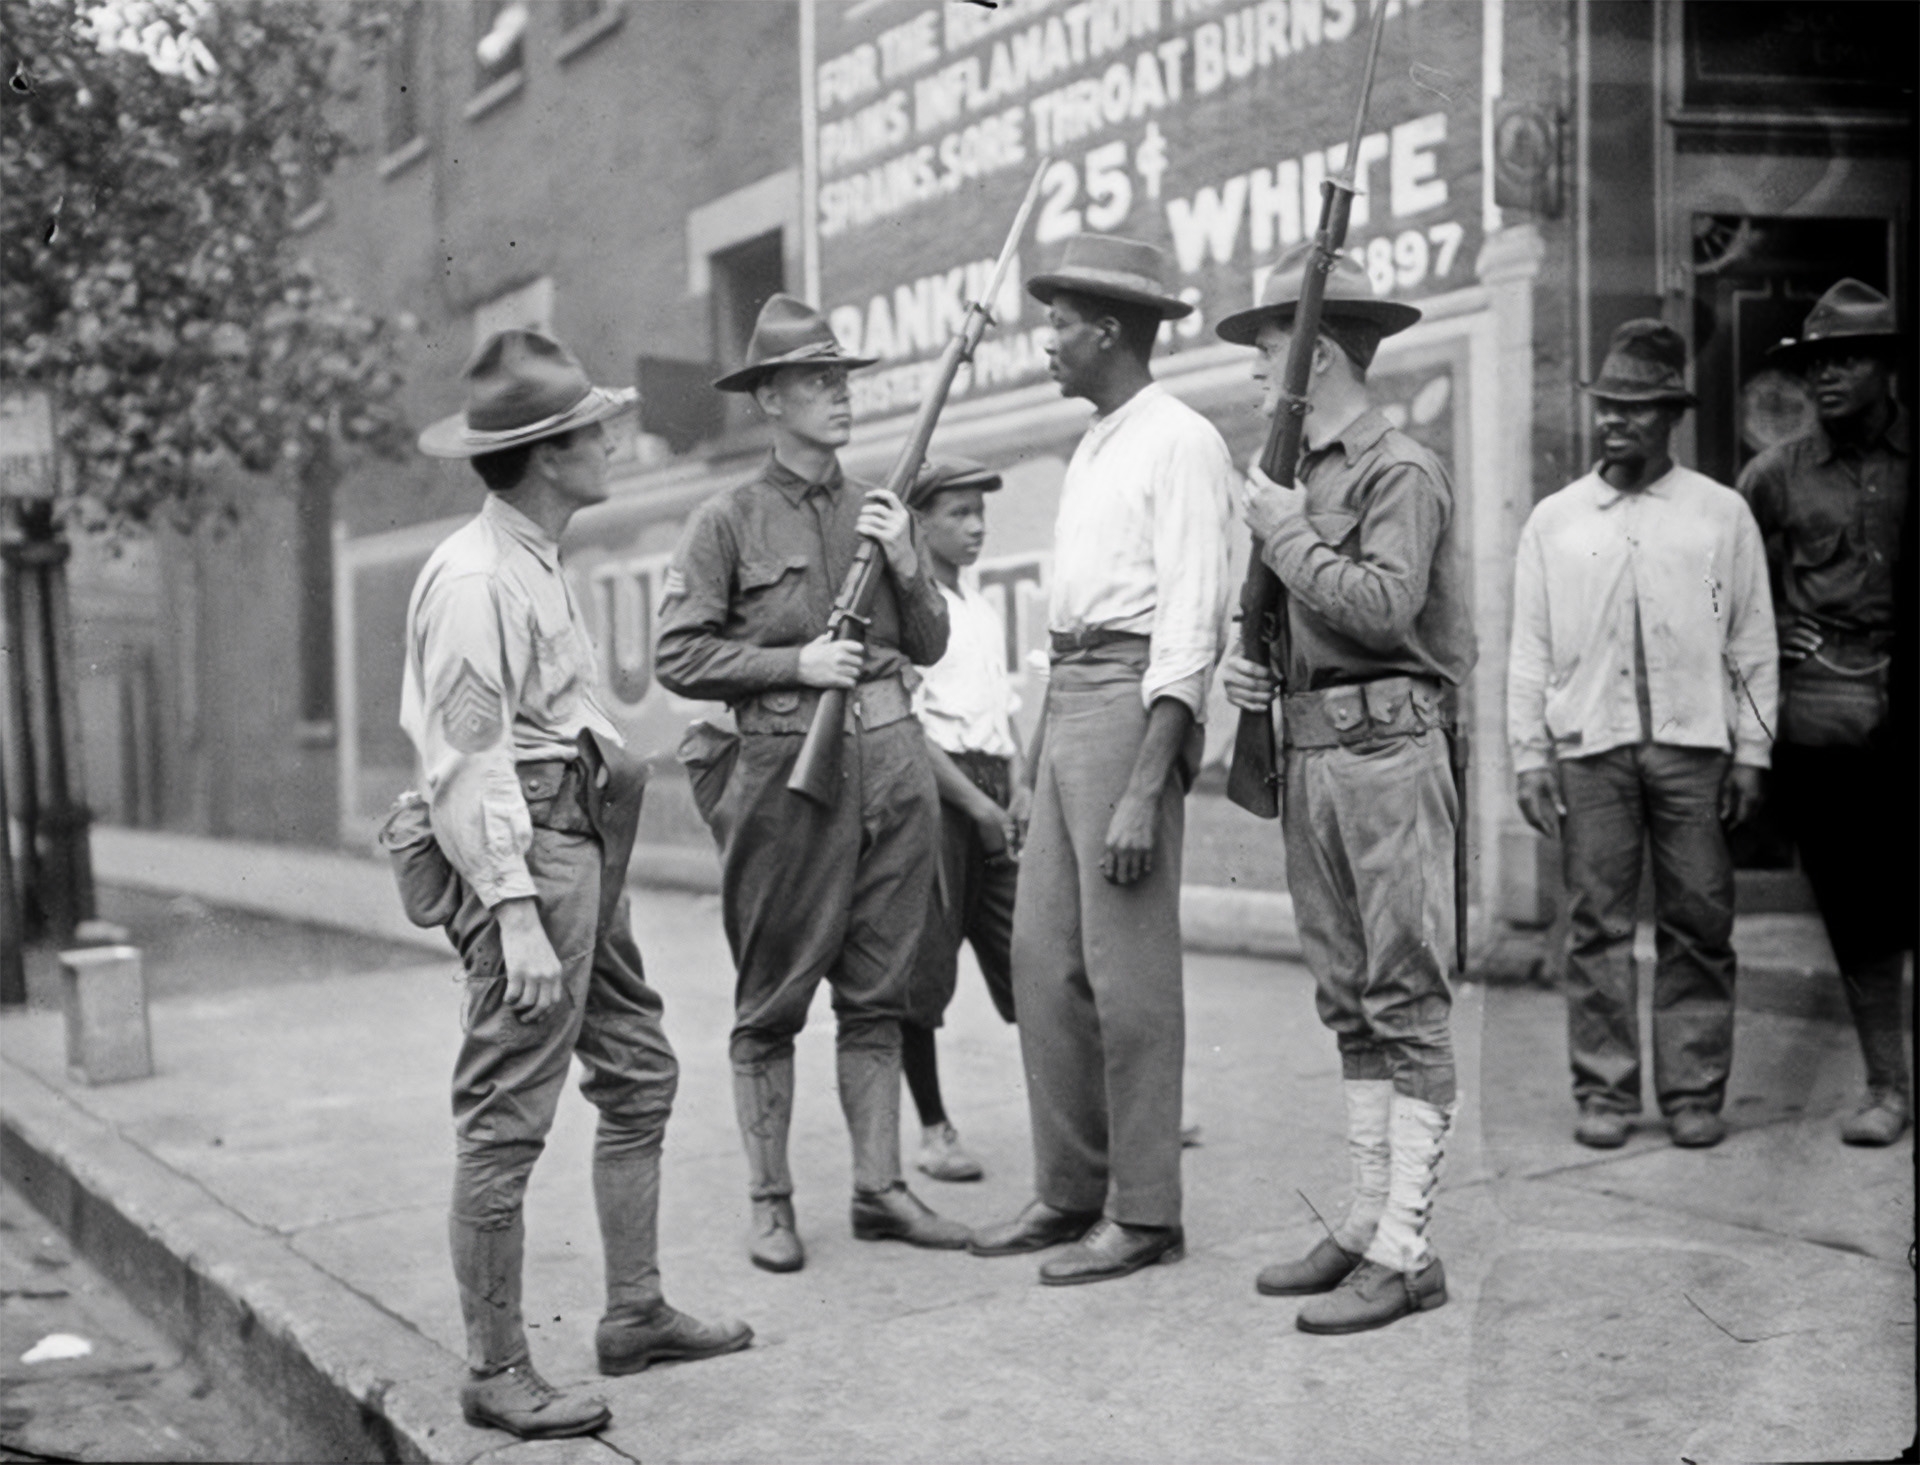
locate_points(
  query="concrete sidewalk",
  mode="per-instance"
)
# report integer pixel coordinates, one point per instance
(276, 1195)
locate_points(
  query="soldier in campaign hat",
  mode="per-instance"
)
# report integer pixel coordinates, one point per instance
(1137, 616)
(809, 894)
(1640, 694)
(1377, 643)
(1835, 507)
(520, 850)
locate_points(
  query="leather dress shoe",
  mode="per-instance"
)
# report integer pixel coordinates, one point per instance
(667, 1336)
(1880, 1120)
(774, 1243)
(1373, 1296)
(1034, 1229)
(1320, 1270)
(1696, 1128)
(1601, 1129)
(1113, 1250)
(519, 1401)
(900, 1215)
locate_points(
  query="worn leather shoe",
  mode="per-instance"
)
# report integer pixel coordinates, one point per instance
(519, 1401)
(1113, 1250)
(900, 1215)
(668, 1336)
(1373, 1296)
(1320, 1270)
(1880, 1120)
(1695, 1128)
(774, 1243)
(1034, 1229)
(1601, 1129)
(942, 1157)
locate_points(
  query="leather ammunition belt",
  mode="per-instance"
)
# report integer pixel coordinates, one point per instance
(790, 709)
(555, 791)
(1092, 638)
(1390, 707)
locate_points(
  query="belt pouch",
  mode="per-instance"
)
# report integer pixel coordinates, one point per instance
(708, 753)
(429, 886)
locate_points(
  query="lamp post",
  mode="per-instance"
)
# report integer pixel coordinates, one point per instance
(57, 864)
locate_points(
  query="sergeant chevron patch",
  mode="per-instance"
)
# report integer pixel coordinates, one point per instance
(470, 712)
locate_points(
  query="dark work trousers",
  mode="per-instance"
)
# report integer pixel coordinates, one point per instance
(1096, 966)
(1617, 802)
(973, 903)
(508, 1077)
(1369, 832)
(839, 894)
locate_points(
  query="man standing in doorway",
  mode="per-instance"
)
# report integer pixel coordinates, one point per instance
(1640, 694)
(1138, 615)
(1369, 549)
(533, 803)
(1835, 509)
(810, 894)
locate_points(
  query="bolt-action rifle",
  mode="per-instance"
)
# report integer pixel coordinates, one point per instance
(1255, 776)
(816, 773)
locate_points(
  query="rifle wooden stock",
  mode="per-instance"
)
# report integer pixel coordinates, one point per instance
(816, 772)
(1460, 758)
(1254, 777)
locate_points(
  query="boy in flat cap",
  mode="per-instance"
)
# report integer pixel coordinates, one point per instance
(1369, 548)
(809, 894)
(1138, 614)
(1640, 694)
(965, 703)
(532, 802)
(1835, 508)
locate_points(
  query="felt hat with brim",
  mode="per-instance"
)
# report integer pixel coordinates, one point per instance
(789, 332)
(1349, 297)
(1646, 362)
(522, 387)
(1851, 317)
(950, 473)
(1108, 267)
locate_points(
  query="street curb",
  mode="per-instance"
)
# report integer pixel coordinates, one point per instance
(325, 1373)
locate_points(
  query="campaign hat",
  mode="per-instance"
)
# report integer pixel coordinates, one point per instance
(1851, 317)
(1349, 297)
(1646, 362)
(937, 477)
(522, 386)
(1109, 267)
(789, 332)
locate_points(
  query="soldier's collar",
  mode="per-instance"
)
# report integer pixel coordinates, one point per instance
(793, 487)
(1358, 435)
(522, 530)
(1897, 435)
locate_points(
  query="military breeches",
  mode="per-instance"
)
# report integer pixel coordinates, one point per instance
(507, 1080)
(839, 894)
(1096, 966)
(1369, 831)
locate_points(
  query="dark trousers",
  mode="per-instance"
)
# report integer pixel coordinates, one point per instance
(837, 894)
(1666, 799)
(1096, 966)
(1843, 808)
(973, 902)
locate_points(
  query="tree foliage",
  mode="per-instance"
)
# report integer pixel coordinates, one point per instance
(156, 154)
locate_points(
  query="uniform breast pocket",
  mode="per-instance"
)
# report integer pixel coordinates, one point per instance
(1338, 527)
(773, 593)
(1814, 545)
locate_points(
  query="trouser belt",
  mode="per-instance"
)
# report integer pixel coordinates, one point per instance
(1390, 707)
(1091, 638)
(870, 705)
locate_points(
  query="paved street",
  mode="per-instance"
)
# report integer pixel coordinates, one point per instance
(1750, 1302)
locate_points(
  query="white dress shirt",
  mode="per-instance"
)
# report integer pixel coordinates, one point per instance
(1140, 543)
(965, 699)
(1686, 553)
(500, 671)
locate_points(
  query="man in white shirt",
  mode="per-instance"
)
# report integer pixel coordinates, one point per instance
(1640, 696)
(533, 804)
(1138, 616)
(965, 704)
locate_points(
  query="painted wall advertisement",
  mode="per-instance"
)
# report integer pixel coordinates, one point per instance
(1205, 128)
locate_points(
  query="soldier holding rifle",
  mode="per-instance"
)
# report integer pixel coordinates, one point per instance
(836, 891)
(1368, 547)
